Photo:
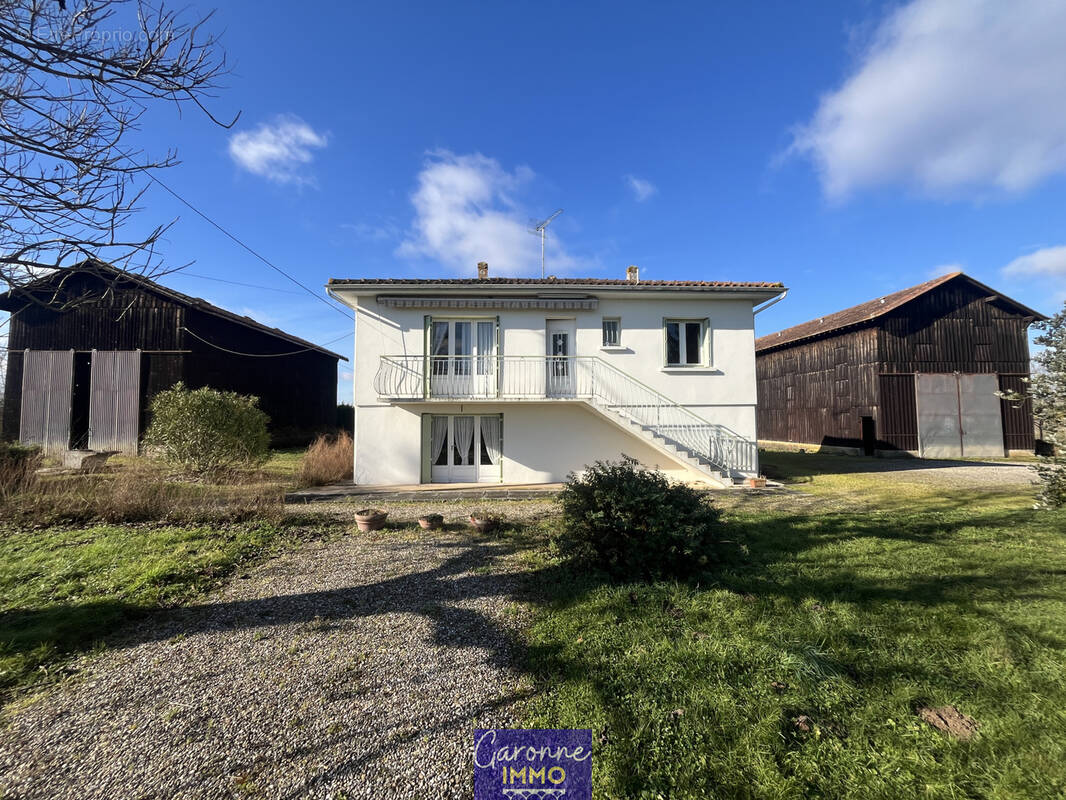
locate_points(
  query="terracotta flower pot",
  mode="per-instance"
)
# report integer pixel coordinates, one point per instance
(371, 519)
(756, 483)
(430, 522)
(484, 523)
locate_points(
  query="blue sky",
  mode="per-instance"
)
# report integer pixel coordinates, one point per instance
(847, 149)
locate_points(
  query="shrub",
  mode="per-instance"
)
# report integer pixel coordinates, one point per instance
(634, 523)
(205, 431)
(328, 460)
(18, 466)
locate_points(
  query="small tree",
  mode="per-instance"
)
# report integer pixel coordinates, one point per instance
(636, 524)
(1047, 393)
(205, 431)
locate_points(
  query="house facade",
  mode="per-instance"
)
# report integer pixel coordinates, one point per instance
(513, 380)
(919, 371)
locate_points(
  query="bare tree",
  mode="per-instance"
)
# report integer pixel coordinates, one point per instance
(76, 77)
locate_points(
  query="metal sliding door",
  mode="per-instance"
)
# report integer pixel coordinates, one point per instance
(47, 386)
(114, 404)
(959, 416)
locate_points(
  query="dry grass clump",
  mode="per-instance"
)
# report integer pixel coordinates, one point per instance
(139, 492)
(18, 467)
(328, 460)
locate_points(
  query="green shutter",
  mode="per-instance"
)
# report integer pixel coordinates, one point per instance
(427, 422)
(426, 339)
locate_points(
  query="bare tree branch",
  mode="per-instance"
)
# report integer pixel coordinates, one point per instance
(75, 81)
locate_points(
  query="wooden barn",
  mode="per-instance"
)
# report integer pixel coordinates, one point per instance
(916, 371)
(89, 346)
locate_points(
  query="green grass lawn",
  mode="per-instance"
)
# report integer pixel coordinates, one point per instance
(866, 600)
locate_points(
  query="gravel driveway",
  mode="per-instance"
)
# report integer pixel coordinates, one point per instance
(353, 668)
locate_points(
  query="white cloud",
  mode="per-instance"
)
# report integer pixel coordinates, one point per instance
(940, 270)
(279, 150)
(1047, 261)
(948, 95)
(642, 189)
(466, 212)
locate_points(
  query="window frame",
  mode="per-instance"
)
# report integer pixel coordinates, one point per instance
(705, 350)
(604, 344)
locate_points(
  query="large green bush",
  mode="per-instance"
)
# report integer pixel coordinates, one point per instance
(206, 431)
(636, 524)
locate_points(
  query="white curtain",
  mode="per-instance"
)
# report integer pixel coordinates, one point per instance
(491, 433)
(464, 438)
(438, 438)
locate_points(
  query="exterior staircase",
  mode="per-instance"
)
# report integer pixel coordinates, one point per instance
(718, 454)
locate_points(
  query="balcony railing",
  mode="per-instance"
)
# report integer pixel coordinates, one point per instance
(585, 378)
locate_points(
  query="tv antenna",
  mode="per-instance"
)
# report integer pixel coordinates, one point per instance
(542, 229)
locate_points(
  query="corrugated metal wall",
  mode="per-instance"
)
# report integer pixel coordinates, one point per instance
(114, 405)
(47, 383)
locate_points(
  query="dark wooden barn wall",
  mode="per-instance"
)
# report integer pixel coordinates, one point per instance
(817, 392)
(953, 329)
(1017, 416)
(121, 320)
(298, 392)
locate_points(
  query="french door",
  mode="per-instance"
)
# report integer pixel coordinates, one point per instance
(464, 448)
(462, 358)
(559, 337)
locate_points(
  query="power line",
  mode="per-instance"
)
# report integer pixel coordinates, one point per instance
(265, 355)
(235, 283)
(231, 236)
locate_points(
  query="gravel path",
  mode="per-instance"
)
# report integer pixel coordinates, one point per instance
(952, 474)
(354, 668)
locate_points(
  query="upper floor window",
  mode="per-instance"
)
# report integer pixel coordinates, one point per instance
(612, 332)
(686, 343)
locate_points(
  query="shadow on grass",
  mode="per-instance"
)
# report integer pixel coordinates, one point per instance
(766, 558)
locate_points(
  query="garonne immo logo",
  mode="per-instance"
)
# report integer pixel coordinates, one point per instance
(532, 764)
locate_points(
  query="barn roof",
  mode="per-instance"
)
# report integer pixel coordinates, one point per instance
(872, 309)
(11, 301)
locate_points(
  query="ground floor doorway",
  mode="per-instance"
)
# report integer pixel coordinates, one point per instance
(462, 448)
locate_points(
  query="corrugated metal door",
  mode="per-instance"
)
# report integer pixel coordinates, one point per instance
(114, 404)
(959, 416)
(47, 382)
(939, 431)
(897, 415)
(982, 422)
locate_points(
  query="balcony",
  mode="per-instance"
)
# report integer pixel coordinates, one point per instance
(614, 393)
(485, 378)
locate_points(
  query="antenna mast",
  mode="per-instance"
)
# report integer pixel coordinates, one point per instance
(541, 228)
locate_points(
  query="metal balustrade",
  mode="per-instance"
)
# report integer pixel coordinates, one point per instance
(586, 378)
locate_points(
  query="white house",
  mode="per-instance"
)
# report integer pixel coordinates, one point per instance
(521, 380)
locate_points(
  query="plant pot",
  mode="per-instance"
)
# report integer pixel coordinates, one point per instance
(371, 519)
(484, 523)
(430, 522)
(756, 483)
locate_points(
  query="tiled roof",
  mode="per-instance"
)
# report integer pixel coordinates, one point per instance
(341, 282)
(870, 310)
(10, 301)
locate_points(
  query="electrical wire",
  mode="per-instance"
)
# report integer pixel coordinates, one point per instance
(235, 283)
(231, 236)
(264, 355)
